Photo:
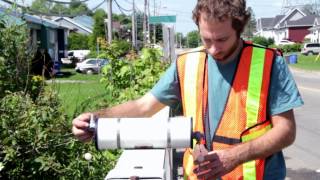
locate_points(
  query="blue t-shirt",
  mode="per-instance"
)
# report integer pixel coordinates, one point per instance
(283, 96)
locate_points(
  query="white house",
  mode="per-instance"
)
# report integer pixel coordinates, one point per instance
(315, 31)
(294, 26)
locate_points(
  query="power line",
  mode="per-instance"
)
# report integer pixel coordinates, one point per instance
(65, 2)
(33, 11)
(121, 8)
(128, 2)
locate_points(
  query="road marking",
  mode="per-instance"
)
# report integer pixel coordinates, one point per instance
(309, 89)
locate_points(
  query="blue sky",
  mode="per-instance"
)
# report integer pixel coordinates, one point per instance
(183, 8)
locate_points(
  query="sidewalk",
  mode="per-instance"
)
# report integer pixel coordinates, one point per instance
(310, 73)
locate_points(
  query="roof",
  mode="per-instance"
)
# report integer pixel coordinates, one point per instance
(84, 20)
(305, 21)
(282, 21)
(266, 23)
(277, 19)
(74, 23)
(19, 18)
(269, 23)
(43, 21)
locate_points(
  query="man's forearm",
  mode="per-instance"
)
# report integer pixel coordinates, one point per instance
(280, 136)
(127, 109)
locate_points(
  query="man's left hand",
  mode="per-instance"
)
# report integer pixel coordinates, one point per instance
(216, 164)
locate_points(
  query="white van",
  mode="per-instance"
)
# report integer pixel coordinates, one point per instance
(79, 54)
(310, 49)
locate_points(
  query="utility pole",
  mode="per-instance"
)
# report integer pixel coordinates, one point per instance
(148, 37)
(154, 25)
(180, 41)
(134, 38)
(145, 23)
(109, 2)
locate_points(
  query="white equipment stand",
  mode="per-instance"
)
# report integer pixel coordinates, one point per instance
(148, 144)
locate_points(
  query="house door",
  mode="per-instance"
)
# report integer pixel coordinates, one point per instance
(61, 44)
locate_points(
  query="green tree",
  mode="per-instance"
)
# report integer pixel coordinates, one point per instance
(73, 9)
(251, 26)
(98, 28)
(78, 41)
(77, 7)
(193, 39)
(43, 6)
(60, 9)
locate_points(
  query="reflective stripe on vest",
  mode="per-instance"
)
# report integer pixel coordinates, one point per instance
(191, 72)
(244, 117)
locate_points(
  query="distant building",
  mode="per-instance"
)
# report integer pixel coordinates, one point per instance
(293, 26)
(315, 31)
(44, 33)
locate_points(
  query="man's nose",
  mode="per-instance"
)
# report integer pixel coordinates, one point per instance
(212, 49)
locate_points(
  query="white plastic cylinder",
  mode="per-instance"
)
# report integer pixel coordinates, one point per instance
(138, 133)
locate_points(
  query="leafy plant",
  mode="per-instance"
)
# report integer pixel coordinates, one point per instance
(127, 80)
(37, 143)
(14, 57)
(78, 41)
(263, 41)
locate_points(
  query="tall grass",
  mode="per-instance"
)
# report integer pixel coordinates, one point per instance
(79, 92)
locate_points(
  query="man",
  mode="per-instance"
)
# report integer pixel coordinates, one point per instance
(241, 98)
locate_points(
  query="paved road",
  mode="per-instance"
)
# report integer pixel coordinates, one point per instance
(303, 157)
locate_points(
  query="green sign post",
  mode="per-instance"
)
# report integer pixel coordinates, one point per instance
(162, 19)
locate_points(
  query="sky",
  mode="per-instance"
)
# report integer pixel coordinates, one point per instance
(183, 9)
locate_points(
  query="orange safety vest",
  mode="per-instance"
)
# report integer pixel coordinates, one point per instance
(245, 115)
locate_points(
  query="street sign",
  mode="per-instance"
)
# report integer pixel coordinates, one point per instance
(162, 19)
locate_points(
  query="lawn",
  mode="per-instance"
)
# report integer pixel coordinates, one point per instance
(78, 92)
(81, 92)
(307, 63)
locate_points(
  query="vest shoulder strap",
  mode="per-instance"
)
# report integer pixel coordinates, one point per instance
(198, 49)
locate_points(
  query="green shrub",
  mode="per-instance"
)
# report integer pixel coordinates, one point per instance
(126, 80)
(262, 41)
(14, 57)
(115, 50)
(290, 48)
(78, 41)
(36, 142)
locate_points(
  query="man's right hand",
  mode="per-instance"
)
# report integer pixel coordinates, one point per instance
(80, 127)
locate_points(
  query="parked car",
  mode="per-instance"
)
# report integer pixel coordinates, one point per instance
(310, 49)
(285, 42)
(91, 66)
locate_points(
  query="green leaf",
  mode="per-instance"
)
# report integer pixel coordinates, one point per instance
(1, 166)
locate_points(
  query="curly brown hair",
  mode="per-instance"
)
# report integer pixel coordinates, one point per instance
(221, 10)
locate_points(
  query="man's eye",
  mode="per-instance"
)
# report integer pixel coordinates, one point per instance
(222, 39)
(207, 40)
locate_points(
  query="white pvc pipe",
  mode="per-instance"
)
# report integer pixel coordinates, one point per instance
(135, 133)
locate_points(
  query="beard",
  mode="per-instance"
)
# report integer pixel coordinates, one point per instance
(225, 55)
